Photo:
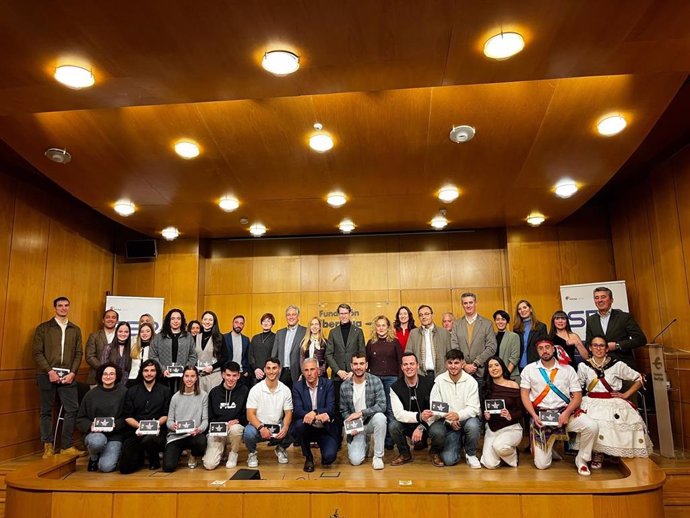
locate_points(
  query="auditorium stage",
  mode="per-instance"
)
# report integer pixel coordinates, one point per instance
(62, 486)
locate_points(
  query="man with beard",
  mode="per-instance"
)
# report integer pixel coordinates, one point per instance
(410, 401)
(97, 343)
(547, 385)
(362, 397)
(314, 419)
(148, 400)
(237, 346)
(227, 403)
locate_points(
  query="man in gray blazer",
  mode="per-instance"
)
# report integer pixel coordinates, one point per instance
(474, 336)
(97, 343)
(344, 341)
(286, 346)
(429, 343)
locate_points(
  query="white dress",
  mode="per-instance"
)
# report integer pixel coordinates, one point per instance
(622, 432)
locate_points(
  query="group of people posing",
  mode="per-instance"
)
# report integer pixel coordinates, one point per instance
(411, 387)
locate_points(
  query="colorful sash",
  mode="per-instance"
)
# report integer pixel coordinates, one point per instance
(548, 378)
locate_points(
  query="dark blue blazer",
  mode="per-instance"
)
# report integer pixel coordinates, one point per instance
(227, 340)
(325, 403)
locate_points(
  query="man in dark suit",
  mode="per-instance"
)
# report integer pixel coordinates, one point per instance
(286, 346)
(344, 341)
(97, 342)
(314, 415)
(237, 346)
(618, 327)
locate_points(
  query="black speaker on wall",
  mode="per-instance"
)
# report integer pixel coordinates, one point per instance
(246, 474)
(141, 249)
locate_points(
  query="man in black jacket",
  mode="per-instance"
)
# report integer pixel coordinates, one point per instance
(227, 403)
(618, 327)
(410, 401)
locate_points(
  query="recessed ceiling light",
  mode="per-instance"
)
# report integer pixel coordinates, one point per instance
(462, 133)
(440, 221)
(611, 125)
(170, 233)
(124, 207)
(336, 199)
(73, 76)
(346, 226)
(257, 229)
(321, 141)
(280, 62)
(228, 203)
(187, 149)
(57, 155)
(535, 219)
(448, 193)
(565, 188)
(504, 45)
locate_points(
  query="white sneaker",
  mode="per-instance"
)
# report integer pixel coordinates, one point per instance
(377, 463)
(252, 460)
(282, 455)
(473, 461)
(232, 460)
(191, 462)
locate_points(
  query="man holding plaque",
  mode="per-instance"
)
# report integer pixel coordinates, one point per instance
(145, 413)
(269, 414)
(410, 402)
(551, 394)
(227, 404)
(314, 400)
(455, 403)
(363, 409)
(57, 353)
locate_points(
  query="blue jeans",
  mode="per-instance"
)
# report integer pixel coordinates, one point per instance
(252, 437)
(105, 451)
(467, 437)
(357, 445)
(387, 383)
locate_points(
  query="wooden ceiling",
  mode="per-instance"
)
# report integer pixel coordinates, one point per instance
(387, 79)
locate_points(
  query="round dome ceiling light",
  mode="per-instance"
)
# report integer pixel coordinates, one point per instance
(280, 62)
(611, 125)
(74, 77)
(170, 233)
(57, 155)
(440, 221)
(565, 189)
(346, 226)
(535, 219)
(228, 203)
(336, 199)
(124, 208)
(320, 141)
(504, 45)
(257, 229)
(448, 193)
(187, 149)
(462, 133)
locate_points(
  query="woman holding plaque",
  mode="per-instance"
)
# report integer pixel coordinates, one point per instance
(140, 351)
(314, 345)
(173, 347)
(100, 418)
(503, 412)
(187, 422)
(622, 433)
(210, 352)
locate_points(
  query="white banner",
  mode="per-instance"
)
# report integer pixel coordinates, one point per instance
(131, 308)
(578, 302)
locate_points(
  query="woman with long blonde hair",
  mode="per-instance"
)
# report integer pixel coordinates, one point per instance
(314, 345)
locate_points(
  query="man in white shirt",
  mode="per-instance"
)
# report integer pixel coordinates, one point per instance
(546, 385)
(460, 424)
(269, 406)
(286, 346)
(429, 343)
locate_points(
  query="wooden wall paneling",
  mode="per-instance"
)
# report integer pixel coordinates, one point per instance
(19, 501)
(276, 274)
(8, 192)
(230, 275)
(176, 276)
(266, 504)
(681, 177)
(475, 506)
(586, 260)
(216, 504)
(334, 272)
(369, 271)
(309, 273)
(134, 278)
(18, 426)
(398, 505)
(475, 268)
(424, 270)
(201, 284)
(439, 300)
(275, 303)
(579, 506)
(639, 504)
(153, 505)
(347, 505)
(25, 307)
(19, 395)
(671, 275)
(82, 505)
(227, 306)
(393, 260)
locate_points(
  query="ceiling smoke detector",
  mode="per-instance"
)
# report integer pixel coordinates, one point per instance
(59, 156)
(462, 133)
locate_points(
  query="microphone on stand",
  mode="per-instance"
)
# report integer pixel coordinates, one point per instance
(664, 330)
